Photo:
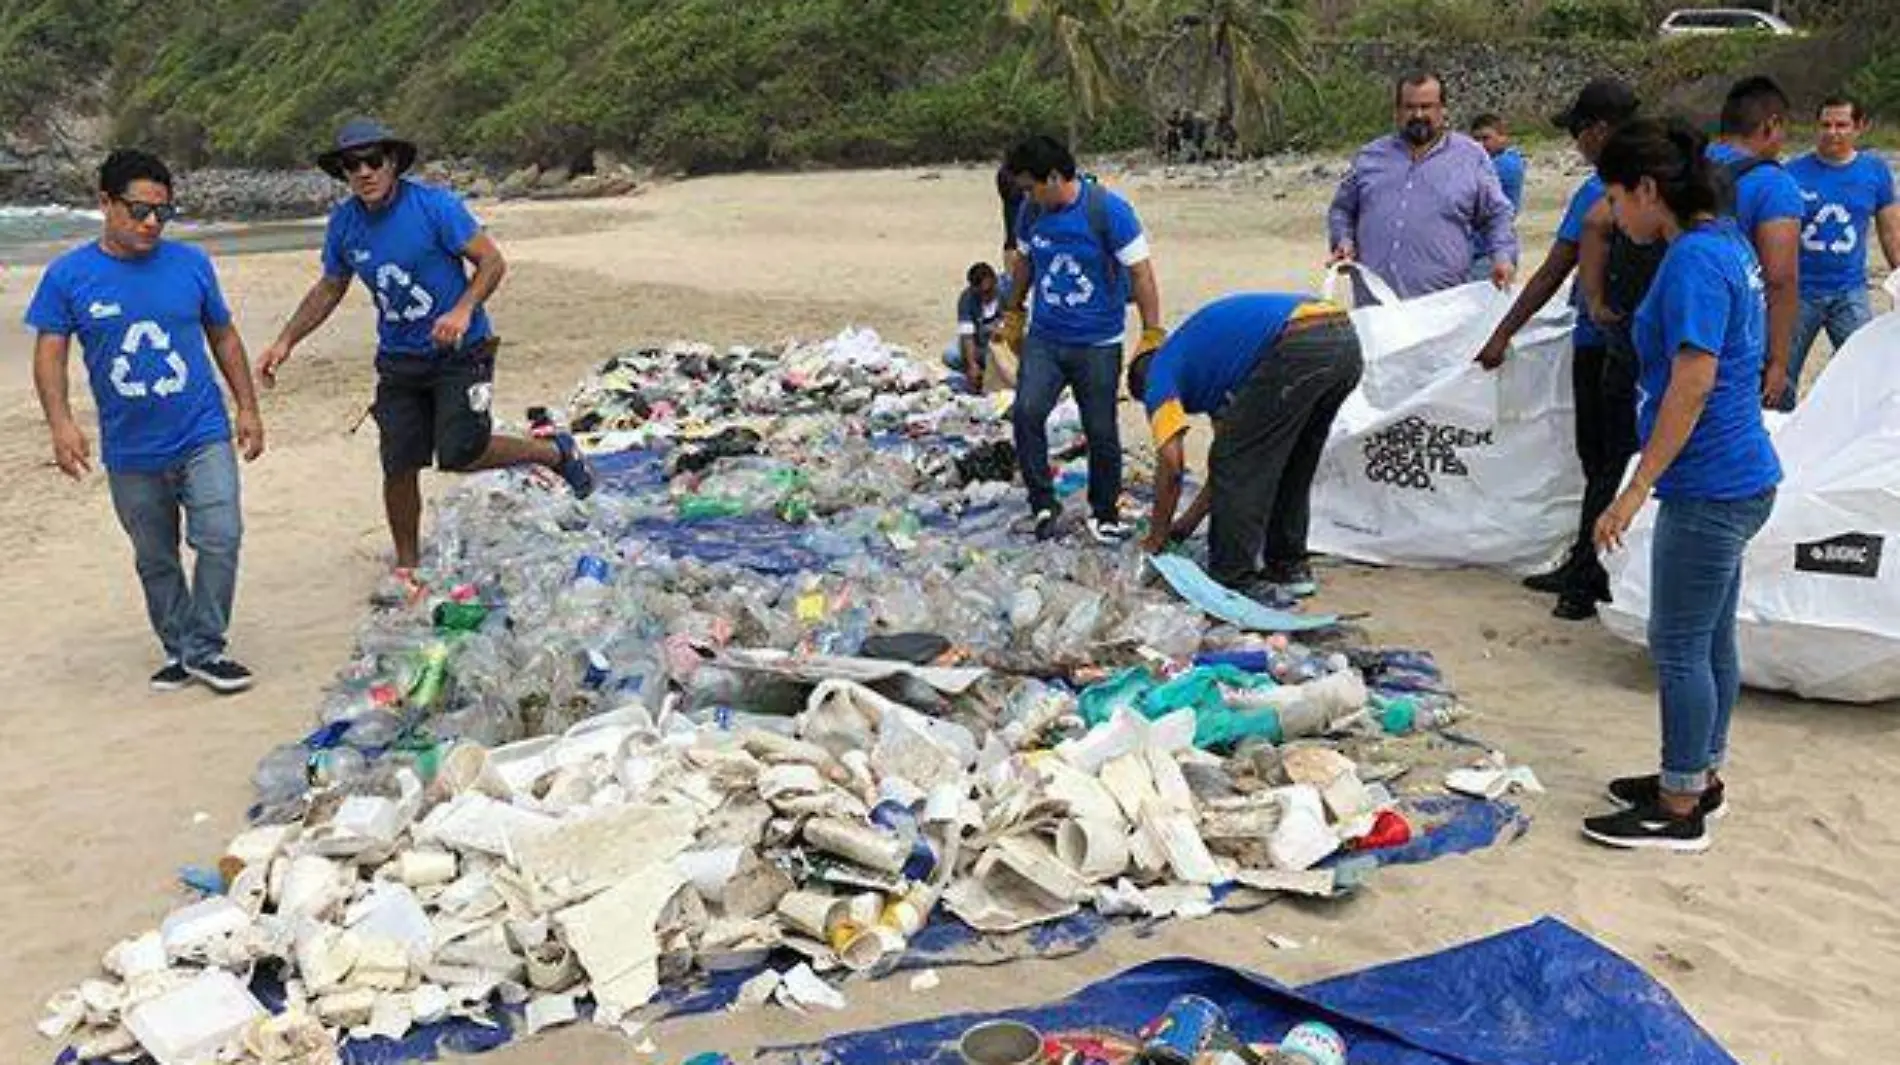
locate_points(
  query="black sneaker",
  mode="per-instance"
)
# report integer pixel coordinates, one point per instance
(1045, 523)
(1650, 828)
(1647, 791)
(1552, 581)
(171, 677)
(1267, 593)
(1110, 531)
(1572, 606)
(222, 675)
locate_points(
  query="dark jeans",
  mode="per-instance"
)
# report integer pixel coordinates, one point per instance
(188, 619)
(1267, 444)
(1695, 566)
(1095, 374)
(1604, 381)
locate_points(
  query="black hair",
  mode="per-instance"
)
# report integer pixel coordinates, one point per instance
(1041, 156)
(1487, 121)
(1138, 375)
(1750, 104)
(126, 165)
(978, 273)
(1415, 78)
(1670, 153)
(1842, 100)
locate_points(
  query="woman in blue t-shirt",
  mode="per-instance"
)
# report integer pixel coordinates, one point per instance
(1701, 337)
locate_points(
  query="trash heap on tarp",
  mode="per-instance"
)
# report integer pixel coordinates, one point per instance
(784, 691)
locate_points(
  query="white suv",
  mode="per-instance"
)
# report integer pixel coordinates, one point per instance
(1699, 21)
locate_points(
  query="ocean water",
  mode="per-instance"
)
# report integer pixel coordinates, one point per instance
(26, 228)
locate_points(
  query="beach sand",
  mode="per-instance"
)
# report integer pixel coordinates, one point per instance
(1780, 940)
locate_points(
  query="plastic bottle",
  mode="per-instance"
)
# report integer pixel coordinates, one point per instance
(702, 507)
(283, 775)
(451, 616)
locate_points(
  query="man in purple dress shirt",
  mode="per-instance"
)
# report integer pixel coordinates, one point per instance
(1415, 203)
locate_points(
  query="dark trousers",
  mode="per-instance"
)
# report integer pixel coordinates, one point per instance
(1095, 374)
(1604, 381)
(1267, 445)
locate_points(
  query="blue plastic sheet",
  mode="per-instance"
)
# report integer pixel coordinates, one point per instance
(1536, 995)
(1192, 583)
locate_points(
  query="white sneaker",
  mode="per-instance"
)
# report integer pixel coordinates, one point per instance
(1111, 532)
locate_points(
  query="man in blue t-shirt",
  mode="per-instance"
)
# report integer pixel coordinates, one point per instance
(143, 308)
(435, 352)
(979, 312)
(1767, 207)
(1494, 137)
(1271, 371)
(1846, 193)
(1604, 382)
(1083, 257)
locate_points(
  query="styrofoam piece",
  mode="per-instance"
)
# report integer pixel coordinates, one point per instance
(429, 1003)
(775, 749)
(65, 1012)
(474, 822)
(1171, 786)
(361, 823)
(1302, 837)
(391, 911)
(325, 956)
(347, 1008)
(813, 913)
(192, 1023)
(1179, 840)
(601, 736)
(260, 845)
(383, 964)
(114, 1042)
(425, 868)
(189, 931)
(312, 887)
(861, 843)
(138, 956)
(519, 765)
(1096, 847)
(390, 1018)
(551, 1011)
(1130, 779)
(801, 989)
(710, 871)
(1104, 743)
(1085, 795)
(598, 851)
(756, 991)
(613, 934)
(793, 778)
(293, 1037)
(1315, 883)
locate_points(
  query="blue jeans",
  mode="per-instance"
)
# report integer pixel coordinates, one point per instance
(1840, 313)
(189, 621)
(1095, 374)
(1695, 566)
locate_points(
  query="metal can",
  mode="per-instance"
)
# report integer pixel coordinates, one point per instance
(1182, 1031)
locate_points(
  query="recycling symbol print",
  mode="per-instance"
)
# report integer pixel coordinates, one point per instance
(1065, 272)
(141, 337)
(401, 299)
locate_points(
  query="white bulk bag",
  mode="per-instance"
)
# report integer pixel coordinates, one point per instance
(1435, 461)
(1820, 609)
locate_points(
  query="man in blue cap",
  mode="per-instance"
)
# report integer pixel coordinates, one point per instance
(435, 354)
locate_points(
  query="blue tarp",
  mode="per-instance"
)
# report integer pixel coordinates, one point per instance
(1193, 584)
(1543, 994)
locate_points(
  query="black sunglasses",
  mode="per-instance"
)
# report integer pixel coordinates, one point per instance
(145, 212)
(373, 159)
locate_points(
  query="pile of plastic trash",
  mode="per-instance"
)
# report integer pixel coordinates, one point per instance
(784, 691)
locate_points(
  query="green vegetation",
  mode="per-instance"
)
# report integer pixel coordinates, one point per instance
(720, 84)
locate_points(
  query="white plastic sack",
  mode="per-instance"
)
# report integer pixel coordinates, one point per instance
(1435, 461)
(1820, 609)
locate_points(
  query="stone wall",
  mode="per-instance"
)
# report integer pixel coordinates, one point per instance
(1526, 81)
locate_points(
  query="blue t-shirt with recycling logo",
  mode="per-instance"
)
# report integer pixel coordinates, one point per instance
(141, 325)
(1840, 201)
(408, 253)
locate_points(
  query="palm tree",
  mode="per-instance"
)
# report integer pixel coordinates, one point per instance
(1079, 35)
(1253, 45)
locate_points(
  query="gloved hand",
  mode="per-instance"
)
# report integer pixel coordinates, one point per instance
(1151, 339)
(1010, 332)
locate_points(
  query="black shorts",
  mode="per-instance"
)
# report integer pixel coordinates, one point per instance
(435, 410)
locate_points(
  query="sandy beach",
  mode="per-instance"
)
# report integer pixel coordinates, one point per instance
(1779, 941)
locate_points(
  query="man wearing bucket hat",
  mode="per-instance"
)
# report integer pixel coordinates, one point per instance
(435, 354)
